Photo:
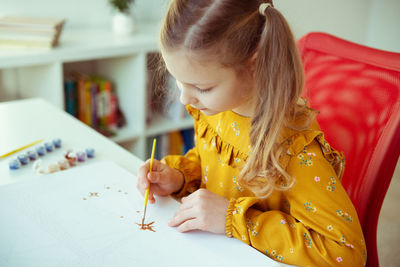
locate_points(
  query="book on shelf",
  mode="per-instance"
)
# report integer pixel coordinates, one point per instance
(93, 100)
(28, 32)
(173, 143)
(71, 97)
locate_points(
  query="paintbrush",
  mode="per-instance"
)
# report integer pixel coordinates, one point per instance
(146, 196)
(21, 148)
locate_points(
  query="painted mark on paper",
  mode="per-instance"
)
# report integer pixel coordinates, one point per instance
(143, 226)
(146, 226)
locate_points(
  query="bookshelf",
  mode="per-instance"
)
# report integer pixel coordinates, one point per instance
(40, 73)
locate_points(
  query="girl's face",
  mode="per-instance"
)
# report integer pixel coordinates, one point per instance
(208, 86)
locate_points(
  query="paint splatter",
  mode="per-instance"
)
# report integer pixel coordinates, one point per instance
(93, 194)
(146, 226)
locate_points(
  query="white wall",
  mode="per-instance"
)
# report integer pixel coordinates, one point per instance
(344, 18)
(384, 25)
(80, 12)
(370, 22)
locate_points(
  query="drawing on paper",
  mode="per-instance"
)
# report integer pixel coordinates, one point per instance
(143, 226)
(146, 226)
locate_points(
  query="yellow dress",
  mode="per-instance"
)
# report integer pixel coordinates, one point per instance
(312, 224)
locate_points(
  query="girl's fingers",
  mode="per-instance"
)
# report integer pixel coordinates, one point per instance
(189, 225)
(151, 198)
(196, 196)
(142, 182)
(185, 205)
(154, 177)
(157, 165)
(182, 216)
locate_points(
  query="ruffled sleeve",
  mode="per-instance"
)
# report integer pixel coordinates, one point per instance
(189, 166)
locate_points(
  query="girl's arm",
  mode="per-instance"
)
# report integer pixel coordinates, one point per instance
(314, 223)
(189, 166)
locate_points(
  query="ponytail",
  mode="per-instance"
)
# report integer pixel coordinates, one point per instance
(278, 81)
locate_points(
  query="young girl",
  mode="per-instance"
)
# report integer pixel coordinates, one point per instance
(261, 170)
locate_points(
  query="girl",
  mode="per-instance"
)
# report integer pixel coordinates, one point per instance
(261, 170)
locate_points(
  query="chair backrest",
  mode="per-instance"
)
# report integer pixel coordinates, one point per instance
(357, 91)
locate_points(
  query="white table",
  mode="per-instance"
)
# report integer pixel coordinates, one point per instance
(27, 120)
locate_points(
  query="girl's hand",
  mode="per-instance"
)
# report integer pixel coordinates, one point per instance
(163, 180)
(201, 210)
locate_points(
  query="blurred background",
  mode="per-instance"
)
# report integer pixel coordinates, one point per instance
(370, 22)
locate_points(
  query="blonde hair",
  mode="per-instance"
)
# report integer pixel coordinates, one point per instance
(233, 31)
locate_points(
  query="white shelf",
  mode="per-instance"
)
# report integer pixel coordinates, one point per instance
(84, 44)
(161, 125)
(40, 73)
(125, 134)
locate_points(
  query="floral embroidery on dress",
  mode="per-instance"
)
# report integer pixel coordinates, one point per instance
(220, 161)
(283, 221)
(251, 227)
(273, 254)
(218, 128)
(305, 157)
(291, 250)
(236, 184)
(339, 259)
(331, 185)
(308, 206)
(235, 127)
(213, 143)
(238, 210)
(343, 241)
(307, 240)
(344, 215)
(205, 179)
(317, 178)
(204, 144)
(330, 228)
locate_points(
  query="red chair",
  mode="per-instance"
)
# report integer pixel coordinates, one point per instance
(357, 91)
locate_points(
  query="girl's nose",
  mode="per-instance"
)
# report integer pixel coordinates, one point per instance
(186, 96)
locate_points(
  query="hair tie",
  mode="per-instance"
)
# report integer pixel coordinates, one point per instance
(264, 7)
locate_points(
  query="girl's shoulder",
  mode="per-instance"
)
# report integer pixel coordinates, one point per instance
(297, 141)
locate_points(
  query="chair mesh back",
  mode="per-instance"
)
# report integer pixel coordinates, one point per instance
(356, 101)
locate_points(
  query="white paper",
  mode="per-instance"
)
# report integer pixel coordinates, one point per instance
(53, 220)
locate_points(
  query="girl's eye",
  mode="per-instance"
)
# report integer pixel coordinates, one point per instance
(202, 91)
